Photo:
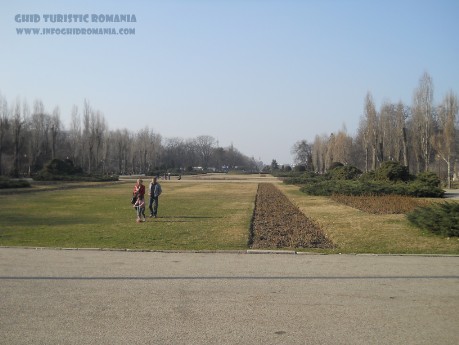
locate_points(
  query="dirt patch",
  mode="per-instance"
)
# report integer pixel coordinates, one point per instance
(277, 223)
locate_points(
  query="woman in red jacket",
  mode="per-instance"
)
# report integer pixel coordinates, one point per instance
(139, 189)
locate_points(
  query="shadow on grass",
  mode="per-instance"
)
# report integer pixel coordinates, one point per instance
(18, 220)
(181, 219)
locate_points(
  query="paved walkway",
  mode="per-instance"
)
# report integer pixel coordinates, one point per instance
(101, 297)
(452, 193)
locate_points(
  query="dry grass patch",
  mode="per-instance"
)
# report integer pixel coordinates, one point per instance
(355, 231)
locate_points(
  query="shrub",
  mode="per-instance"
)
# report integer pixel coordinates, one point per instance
(392, 171)
(442, 219)
(390, 179)
(345, 172)
(62, 167)
(7, 183)
(64, 170)
(300, 168)
(307, 177)
(358, 187)
(335, 165)
(368, 176)
(330, 187)
(420, 189)
(428, 179)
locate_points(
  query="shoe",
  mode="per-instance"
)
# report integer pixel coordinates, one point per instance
(151, 215)
(138, 220)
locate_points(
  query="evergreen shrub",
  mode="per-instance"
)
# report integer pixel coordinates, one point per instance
(441, 218)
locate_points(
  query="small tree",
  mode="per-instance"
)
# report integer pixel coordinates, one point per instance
(445, 138)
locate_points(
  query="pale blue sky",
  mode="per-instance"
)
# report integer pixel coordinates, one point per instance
(259, 74)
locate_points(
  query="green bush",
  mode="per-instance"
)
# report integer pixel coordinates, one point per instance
(64, 170)
(442, 219)
(334, 165)
(344, 172)
(390, 179)
(330, 187)
(305, 178)
(62, 167)
(357, 187)
(428, 179)
(8, 183)
(300, 168)
(419, 189)
(368, 176)
(392, 171)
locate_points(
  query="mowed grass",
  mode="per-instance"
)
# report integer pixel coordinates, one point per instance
(192, 216)
(195, 215)
(355, 231)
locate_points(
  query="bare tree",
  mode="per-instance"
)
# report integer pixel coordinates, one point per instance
(93, 133)
(423, 122)
(17, 125)
(388, 142)
(55, 130)
(39, 126)
(330, 154)
(98, 129)
(341, 147)
(370, 132)
(75, 137)
(319, 152)
(121, 140)
(154, 149)
(302, 152)
(88, 142)
(445, 138)
(204, 146)
(401, 114)
(4, 128)
(142, 144)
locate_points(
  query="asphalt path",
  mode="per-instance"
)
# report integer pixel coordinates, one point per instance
(113, 297)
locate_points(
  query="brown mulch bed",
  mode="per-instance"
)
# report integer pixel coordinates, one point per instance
(277, 223)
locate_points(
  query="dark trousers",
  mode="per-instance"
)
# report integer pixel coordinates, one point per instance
(153, 206)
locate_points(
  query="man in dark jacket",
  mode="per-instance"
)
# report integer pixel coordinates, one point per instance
(154, 193)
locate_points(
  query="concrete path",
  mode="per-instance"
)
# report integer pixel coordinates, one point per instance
(452, 193)
(101, 297)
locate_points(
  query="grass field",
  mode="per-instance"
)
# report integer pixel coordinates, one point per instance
(355, 231)
(192, 215)
(207, 214)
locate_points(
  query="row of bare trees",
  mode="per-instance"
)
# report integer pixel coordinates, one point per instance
(29, 138)
(423, 136)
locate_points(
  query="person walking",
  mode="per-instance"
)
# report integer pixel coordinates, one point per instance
(139, 190)
(140, 209)
(154, 193)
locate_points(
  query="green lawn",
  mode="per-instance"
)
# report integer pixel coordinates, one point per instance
(192, 215)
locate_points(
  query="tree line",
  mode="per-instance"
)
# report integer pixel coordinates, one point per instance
(422, 136)
(31, 137)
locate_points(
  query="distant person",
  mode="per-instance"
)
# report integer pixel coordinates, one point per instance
(139, 189)
(140, 209)
(154, 193)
